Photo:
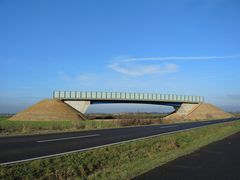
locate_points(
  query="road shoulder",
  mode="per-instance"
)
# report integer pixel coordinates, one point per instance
(219, 160)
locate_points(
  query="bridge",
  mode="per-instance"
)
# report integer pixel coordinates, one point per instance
(80, 100)
(56, 109)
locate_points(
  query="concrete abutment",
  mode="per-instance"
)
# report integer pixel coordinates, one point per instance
(80, 106)
(201, 111)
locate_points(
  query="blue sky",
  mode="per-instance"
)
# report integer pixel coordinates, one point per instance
(182, 47)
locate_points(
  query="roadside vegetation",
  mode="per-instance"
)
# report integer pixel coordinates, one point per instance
(8, 127)
(123, 161)
(236, 114)
(128, 115)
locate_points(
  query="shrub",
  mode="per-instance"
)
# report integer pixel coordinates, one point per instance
(80, 125)
(131, 122)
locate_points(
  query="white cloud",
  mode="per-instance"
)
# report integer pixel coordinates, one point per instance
(172, 58)
(80, 78)
(139, 70)
(132, 66)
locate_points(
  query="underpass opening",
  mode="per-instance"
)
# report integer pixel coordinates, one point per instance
(129, 108)
(128, 111)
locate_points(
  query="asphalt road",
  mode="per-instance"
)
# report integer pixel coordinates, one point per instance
(219, 160)
(24, 148)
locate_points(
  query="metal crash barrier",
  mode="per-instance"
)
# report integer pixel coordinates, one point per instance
(91, 95)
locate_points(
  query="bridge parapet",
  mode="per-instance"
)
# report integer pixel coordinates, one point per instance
(124, 96)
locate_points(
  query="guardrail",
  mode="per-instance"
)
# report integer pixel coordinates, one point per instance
(91, 95)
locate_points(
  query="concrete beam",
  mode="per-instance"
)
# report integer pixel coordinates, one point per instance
(80, 106)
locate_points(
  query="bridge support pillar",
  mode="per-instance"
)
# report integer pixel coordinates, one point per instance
(185, 109)
(80, 106)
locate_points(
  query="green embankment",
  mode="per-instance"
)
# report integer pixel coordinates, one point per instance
(8, 127)
(120, 161)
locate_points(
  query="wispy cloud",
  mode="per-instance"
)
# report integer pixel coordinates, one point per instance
(139, 70)
(80, 78)
(172, 58)
(131, 65)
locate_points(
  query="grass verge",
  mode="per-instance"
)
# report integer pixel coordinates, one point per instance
(8, 127)
(120, 161)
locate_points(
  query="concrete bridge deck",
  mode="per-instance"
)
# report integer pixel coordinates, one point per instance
(124, 97)
(80, 100)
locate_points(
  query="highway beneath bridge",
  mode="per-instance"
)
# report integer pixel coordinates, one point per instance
(25, 148)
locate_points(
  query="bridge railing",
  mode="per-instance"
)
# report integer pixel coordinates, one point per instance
(91, 95)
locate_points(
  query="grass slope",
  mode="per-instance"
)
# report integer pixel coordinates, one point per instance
(120, 161)
(8, 127)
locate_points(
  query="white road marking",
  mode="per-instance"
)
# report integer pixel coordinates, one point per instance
(95, 147)
(169, 126)
(67, 138)
(105, 145)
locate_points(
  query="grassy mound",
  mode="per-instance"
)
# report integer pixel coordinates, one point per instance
(49, 110)
(202, 111)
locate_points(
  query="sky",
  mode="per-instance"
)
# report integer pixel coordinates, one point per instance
(187, 47)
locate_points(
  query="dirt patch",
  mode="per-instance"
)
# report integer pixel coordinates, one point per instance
(49, 110)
